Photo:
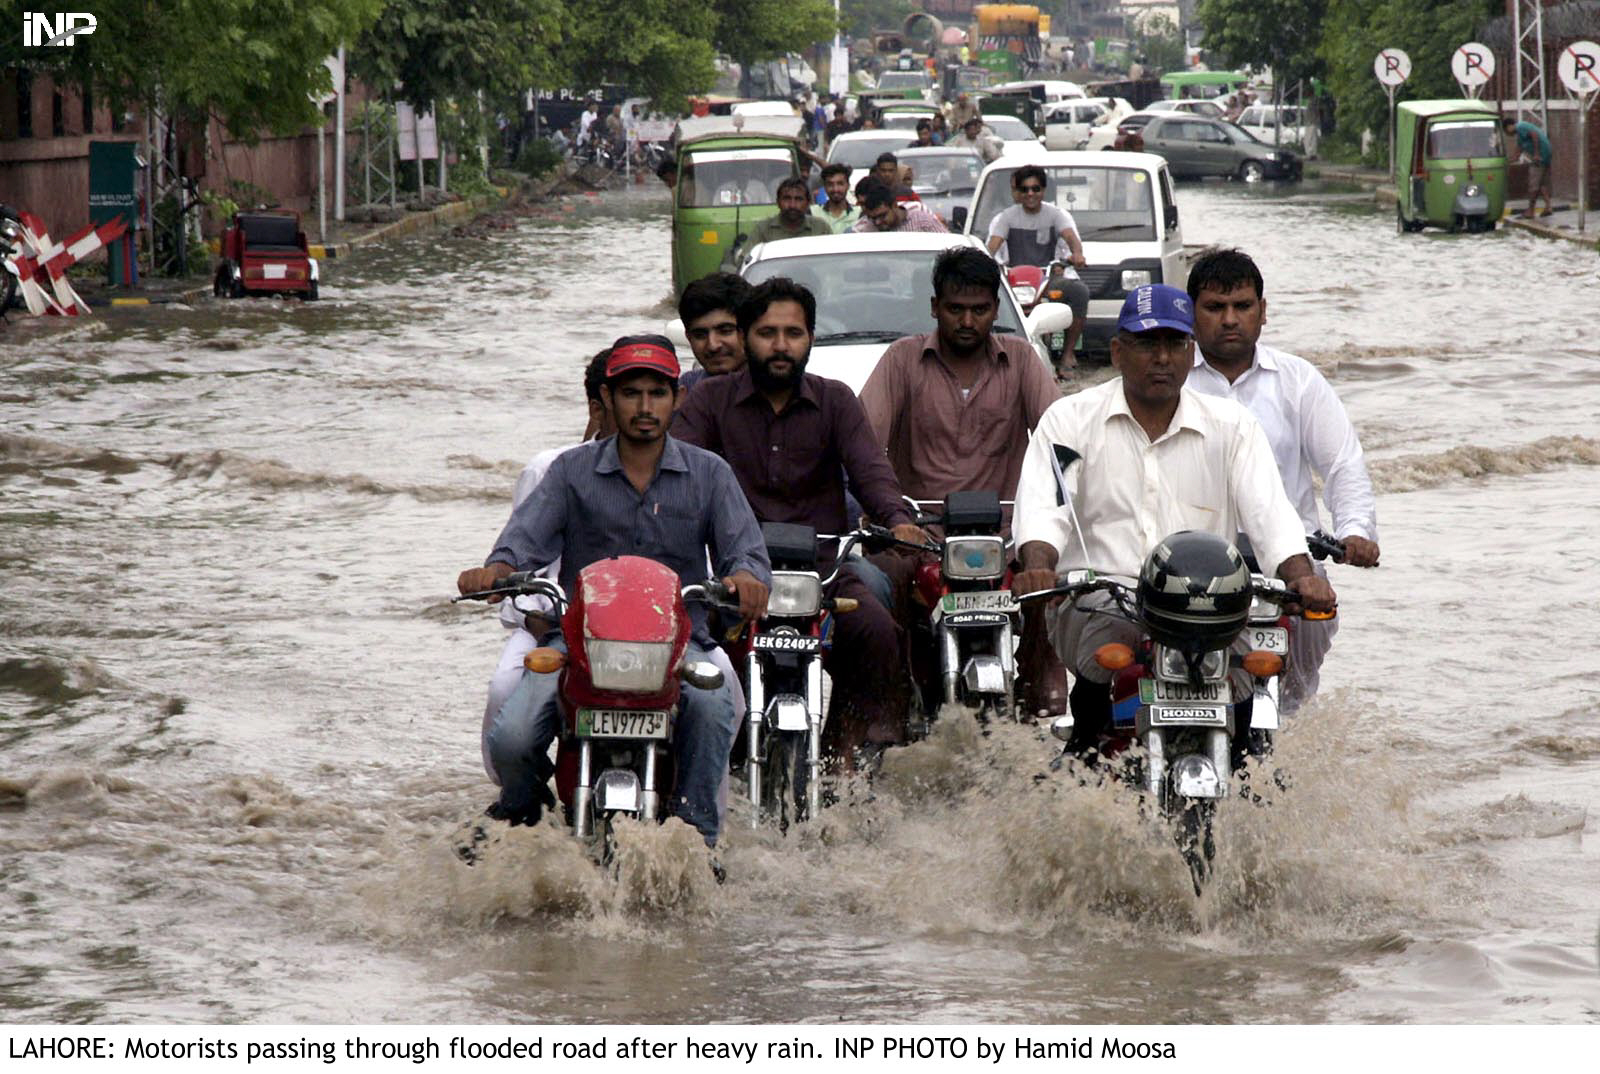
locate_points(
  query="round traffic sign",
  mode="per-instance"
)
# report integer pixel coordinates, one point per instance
(1579, 67)
(1472, 64)
(1392, 67)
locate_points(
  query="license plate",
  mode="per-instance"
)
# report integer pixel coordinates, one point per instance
(989, 600)
(1269, 639)
(623, 723)
(787, 643)
(274, 272)
(1188, 715)
(1158, 691)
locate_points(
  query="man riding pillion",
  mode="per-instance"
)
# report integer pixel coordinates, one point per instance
(1034, 233)
(837, 212)
(708, 309)
(794, 219)
(1305, 423)
(638, 493)
(1113, 470)
(793, 438)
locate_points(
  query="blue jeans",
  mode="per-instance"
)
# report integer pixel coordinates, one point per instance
(874, 579)
(519, 739)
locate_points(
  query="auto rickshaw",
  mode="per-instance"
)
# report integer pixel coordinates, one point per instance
(729, 168)
(1450, 165)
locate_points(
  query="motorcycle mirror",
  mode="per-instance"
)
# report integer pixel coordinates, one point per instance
(701, 674)
(1061, 728)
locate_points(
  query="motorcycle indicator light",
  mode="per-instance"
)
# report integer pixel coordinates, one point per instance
(545, 660)
(1262, 664)
(1114, 656)
(841, 605)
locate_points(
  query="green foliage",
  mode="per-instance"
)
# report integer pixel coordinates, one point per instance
(252, 63)
(755, 30)
(861, 17)
(660, 49)
(1428, 30)
(440, 49)
(538, 157)
(1281, 34)
(1160, 43)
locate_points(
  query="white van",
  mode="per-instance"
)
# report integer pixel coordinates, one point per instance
(1286, 127)
(1127, 219)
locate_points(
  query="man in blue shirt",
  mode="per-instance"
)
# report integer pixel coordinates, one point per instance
(640, 493)
(1535, 145)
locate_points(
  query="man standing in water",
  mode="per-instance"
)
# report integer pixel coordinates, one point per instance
(1305, 423)
(1114, 469)
(638, 493)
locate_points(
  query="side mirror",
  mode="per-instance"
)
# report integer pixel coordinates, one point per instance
(675, 331)
(958, 218)
(701, 674)
(1048, 317)
(1170, 216)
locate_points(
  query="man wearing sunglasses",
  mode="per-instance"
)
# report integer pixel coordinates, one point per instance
(1035, 232)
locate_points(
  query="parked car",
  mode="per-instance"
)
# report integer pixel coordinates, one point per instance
(1197, 147)
(874, 288)
(1127, 217)
(944, 178)
(1284, 125)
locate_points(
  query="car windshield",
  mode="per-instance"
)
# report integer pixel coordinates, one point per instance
(940, 173)
(1009, 128)
(1459, 139)
(902, 80)
(1107, 204)
(733, 177)
(870, 296)
(863, 152)
(895, 121)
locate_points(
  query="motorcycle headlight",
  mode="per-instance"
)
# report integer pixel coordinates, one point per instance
(795, 593)
(635, 666)
(974, 557)
(1134, 278)
(1213, 666)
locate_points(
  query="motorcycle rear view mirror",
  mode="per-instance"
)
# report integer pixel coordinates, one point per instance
(701, 674)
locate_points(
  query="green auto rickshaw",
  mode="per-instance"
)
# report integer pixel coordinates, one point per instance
(729, 168)
(1450, 165)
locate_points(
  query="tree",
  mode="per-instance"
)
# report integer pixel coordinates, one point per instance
(660, 49)
(439, 49)
(1280, 34)
(253, 64)
(862, 17)
(1429, 31)
(1160, 43)
(750, 31)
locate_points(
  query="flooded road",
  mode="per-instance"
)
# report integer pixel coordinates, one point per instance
(239, 718)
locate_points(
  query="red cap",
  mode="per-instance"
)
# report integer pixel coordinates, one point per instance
(657, 357)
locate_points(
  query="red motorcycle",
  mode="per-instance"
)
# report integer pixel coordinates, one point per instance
(626, 630)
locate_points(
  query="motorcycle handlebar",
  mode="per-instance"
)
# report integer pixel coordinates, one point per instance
(518, 584)
(1325, 546)
(712, 592)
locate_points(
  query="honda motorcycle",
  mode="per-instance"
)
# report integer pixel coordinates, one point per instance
(627, 631)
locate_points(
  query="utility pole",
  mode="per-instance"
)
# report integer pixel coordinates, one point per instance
(1527, 32)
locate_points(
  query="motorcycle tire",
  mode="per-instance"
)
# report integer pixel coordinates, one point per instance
(786, 776)
(1197, 840)
(8, 291)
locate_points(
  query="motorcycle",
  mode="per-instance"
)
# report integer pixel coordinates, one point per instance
(11, 244)
(973, 617)
(1171, 694)
(626, 631)
(784, 676)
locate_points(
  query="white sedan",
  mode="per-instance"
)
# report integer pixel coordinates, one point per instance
(874, 288)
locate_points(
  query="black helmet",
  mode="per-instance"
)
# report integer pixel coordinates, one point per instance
(1194, 592)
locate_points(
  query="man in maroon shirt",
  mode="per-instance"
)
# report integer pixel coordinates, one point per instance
(792, 439)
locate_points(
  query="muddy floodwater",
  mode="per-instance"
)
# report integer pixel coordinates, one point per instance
(239, 717)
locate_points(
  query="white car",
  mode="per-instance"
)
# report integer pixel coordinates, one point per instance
(1286, 127)
(1066, 124)
(874, 288)
(1127, 218)
(859, 150)
(1192, 105)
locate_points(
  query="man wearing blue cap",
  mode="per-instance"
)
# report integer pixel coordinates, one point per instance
(1113, 470)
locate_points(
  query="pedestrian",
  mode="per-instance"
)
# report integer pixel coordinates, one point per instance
(1534, 145)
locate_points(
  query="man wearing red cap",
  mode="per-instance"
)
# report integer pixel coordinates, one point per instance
(640, 493)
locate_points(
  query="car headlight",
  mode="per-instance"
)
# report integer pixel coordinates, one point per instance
(1170, 662)
(794, 593)
(1134, 278)
(974, 557)
(635, 666)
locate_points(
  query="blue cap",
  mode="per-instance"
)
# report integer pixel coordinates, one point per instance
(1156, 305)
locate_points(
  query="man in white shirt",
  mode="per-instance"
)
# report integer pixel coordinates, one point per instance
(1111, 471)
(1036, 232)
(1305, 423)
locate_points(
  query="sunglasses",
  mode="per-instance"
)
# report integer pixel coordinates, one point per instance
(1030, 189)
